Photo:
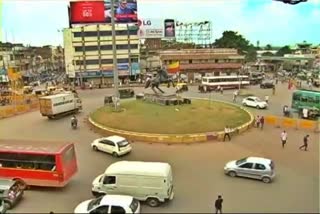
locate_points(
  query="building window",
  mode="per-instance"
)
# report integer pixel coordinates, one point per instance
(86, 34)
(106, 47)
(106, 61)
(126, 47)
(190, 61)
(123, 60)
(88, 62)
(216, 60)
(125, 32)
(105, 33)
(86, 48)
(134, 60)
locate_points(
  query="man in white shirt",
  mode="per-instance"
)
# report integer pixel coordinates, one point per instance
(284, 137)
(305, 113)
(227, 131)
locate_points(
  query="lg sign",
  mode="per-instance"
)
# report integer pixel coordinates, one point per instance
(87, 12)
(144, 23)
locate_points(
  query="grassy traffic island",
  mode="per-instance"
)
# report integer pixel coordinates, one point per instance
(199, 117)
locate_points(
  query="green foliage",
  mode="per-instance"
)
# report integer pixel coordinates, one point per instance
(267, 54)
(284, 50)
(231, 39)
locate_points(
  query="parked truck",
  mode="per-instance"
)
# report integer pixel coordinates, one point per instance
(60, 104)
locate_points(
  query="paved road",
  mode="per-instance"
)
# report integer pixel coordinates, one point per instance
(198, 169)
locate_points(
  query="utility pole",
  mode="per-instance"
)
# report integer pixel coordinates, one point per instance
(115, 64)
(129, 51)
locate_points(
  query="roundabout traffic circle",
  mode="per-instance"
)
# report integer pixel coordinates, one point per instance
(202, 120)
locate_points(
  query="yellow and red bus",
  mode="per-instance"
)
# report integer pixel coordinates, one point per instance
(38, 163)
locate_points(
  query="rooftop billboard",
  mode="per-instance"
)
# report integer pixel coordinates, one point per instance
(85, 12)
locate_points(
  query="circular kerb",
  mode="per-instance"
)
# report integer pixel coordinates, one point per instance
(176, 138)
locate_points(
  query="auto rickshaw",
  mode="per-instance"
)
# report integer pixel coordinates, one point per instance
(181, 87)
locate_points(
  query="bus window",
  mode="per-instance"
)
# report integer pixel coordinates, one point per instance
(311, 100)
(27, 161)
(304, 99)
(296, 97)
(317, 100)
(68, 155)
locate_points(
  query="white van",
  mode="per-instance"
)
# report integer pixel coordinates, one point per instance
(145, 181)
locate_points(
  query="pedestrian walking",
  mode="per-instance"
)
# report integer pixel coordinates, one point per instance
(218, 204)
(261, 122)
(226, 133)
(266, 98)
(235, 94)
(258, 121)
(273, 90)
(305, 143)
(284, 137)
(221, 90)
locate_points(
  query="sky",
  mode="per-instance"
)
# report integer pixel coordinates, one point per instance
(39, 22)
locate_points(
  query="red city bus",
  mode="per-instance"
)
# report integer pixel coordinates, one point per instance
(37, 163)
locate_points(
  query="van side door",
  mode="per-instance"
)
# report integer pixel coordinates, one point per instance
(110, 184)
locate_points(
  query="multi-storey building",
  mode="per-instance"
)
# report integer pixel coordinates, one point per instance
(89, 54)
(215, 61)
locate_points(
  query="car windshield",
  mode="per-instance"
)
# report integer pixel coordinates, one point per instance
(134, 205)
(257, 99)
(238, 162)
(94, 203)
(123, 143)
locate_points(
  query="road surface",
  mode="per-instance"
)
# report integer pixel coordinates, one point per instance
(198, 169)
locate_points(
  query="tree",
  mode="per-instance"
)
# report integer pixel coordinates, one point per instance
(268, 53)
(284, 50)
(268, 47)
(231, 39)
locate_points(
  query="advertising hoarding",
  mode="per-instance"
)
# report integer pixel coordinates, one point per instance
(151, 28)
(83, 12)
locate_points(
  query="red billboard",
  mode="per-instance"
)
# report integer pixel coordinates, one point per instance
(87, 12)
(82, 12)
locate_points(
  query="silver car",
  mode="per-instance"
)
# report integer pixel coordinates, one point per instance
(251, 167)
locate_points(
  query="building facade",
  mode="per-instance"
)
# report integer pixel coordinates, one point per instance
(89, 55)
(215, 61)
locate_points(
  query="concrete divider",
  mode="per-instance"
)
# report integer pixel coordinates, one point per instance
(288, 123)
(296, 123)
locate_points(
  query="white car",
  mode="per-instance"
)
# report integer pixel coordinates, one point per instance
(114, 145)
(109, 204)
(251, 167)
(254, 102)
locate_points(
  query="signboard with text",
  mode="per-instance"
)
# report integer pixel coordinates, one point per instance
(84, 12)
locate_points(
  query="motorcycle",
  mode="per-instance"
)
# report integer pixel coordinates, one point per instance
(74, 124)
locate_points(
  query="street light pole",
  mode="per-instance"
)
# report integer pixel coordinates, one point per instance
(115, 66)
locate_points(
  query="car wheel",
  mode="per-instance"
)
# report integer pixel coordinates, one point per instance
(114, 154)
(258, 107)
(245, 104)
(153, 202)
(95, 148)
(266, 180)
(8, 205)
(232, 174)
